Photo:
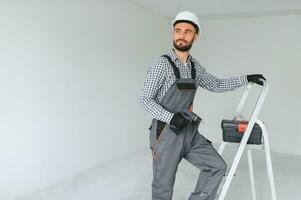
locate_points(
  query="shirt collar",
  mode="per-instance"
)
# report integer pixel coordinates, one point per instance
(174, 57)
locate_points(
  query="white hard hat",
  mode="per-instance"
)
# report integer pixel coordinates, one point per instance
(188, 17)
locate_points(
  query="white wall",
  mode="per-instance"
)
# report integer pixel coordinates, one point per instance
(71, 72)
(267, 45)
(70, 75)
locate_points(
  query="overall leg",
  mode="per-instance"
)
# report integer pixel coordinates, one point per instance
(167, 155)
(203, 155)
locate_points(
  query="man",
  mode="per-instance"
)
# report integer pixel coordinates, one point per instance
(167, 95)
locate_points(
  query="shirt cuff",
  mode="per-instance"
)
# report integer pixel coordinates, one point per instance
(169, 117)
(243, 80)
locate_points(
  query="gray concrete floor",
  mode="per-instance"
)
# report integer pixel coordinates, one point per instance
(129, 178)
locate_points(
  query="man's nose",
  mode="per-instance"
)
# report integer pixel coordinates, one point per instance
(182, 35)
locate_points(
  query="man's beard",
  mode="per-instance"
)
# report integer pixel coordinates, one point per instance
(182, 47)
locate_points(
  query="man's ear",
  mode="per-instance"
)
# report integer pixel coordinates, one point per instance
(195, 37)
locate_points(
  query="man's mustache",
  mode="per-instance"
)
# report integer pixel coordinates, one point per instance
(180, 40)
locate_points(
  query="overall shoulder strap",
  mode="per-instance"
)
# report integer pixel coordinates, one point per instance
(193, 72)
(174, 67)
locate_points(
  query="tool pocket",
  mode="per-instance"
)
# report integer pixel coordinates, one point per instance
(166, 140)
(159, 128)
(156, 129)
(161, 137)
(152, 135)
(160, 141)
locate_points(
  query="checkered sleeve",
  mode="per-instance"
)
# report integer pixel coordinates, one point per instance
(150, 89)
(214, 84)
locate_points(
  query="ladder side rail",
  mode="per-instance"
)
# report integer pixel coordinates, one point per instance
(244, 140)
(251, 172)
(242, 101)
(268, 158)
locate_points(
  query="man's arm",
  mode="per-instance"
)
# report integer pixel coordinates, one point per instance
(152, 84)
(214, 84)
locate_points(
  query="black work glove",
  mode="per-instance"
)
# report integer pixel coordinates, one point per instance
(255, 78)
(179, 122)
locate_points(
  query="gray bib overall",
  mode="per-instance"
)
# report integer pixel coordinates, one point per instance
(170, 146)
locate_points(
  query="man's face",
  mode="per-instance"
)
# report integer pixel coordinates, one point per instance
(184, 35)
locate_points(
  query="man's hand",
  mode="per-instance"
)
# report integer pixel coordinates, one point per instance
(179, 122)
(255, 78)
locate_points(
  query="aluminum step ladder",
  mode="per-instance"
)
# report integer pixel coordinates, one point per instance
(243, 144)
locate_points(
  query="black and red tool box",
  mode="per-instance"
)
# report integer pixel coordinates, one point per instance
(233, 131)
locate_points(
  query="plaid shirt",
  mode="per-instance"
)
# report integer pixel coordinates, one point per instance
(160, 77)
